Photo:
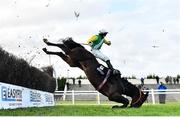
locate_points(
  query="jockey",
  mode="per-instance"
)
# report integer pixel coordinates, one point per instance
(96, 43)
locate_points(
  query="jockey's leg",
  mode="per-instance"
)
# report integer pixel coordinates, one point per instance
(109, 65)
(100, 55)
(115, 72)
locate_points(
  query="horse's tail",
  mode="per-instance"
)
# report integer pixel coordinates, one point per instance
(70, 43)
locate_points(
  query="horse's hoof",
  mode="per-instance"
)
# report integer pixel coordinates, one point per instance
(45, 40)
(133, 107)
(44, 49)
(116, 106)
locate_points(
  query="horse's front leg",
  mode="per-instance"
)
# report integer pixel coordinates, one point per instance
(120, 99)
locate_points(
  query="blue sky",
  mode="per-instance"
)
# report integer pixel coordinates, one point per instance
(134, 26)
(128, 6)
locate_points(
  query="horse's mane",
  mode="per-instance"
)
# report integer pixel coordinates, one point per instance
(71, 44)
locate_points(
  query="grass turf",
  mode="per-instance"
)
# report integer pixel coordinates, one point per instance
(95, 110)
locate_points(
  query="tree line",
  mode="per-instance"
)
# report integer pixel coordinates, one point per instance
(17, 71)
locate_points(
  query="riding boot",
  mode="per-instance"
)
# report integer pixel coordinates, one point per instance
(109, 65)
(114, 71)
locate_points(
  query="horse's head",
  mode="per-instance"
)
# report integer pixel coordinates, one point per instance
(137, 102)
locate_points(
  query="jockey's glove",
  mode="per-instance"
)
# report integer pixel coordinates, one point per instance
(109, 43)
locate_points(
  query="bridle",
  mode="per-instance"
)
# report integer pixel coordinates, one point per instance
(140, 95)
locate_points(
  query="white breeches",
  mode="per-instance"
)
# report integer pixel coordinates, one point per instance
(99, 54)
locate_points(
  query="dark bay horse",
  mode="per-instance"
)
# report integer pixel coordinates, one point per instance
(114, 87)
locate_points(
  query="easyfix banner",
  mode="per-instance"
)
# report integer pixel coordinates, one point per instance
(12, 96)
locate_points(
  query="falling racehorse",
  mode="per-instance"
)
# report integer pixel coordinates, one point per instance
(110, 85)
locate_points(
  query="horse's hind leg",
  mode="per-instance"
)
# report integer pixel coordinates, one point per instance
(120, 99)
(62, 46)
(67, 59)
(49, 43)
(49, 52)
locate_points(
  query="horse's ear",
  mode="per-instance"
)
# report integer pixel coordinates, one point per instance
(146, 95)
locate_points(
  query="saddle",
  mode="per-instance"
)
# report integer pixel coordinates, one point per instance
(105, 73)
(104, 70)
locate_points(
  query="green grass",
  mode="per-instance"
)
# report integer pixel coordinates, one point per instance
(85, 102)
(96, 110)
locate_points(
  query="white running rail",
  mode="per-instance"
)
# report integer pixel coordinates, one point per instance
(152, 93)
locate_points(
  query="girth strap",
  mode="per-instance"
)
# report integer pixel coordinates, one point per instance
(105, 80)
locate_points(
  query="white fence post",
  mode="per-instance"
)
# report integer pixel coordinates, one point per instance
(153, 97)
(64, 94)
(98, 97)
(73, 97)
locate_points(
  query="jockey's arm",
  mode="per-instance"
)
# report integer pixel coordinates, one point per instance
(107, 42)
(91, 40)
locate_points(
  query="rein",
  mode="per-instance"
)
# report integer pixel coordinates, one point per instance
(138, 98)
(105, 80)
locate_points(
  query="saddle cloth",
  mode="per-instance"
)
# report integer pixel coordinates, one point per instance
(105, 72)
(102, 70)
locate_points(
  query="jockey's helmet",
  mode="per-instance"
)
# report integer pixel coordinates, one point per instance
(103, 31)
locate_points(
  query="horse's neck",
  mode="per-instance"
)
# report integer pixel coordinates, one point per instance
(90, 69)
